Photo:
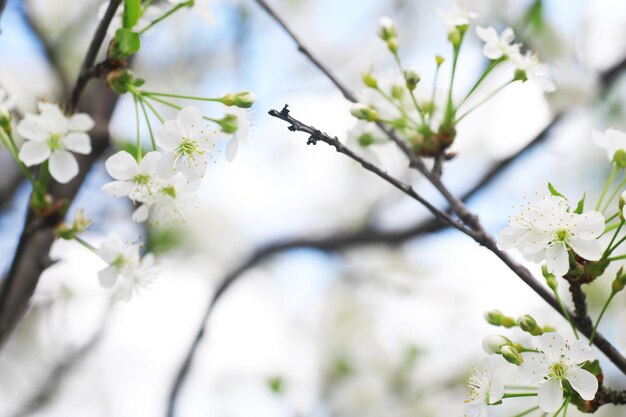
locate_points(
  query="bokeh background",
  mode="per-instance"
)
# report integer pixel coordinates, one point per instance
(368, 330)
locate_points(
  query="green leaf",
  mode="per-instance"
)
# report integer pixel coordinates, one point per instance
(554, 192)
(132, 12)
(581, 205)
(128, 42)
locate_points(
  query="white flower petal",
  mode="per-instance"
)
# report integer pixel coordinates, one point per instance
(580, 352)
(118, 188)
(121, 166)
(148, 163)
(63, 166)
(78, 142)
(166, 166)
(190, 120)
(534, 367)
(141, 214)
(553, 346)
(81, 122)
(588, 225)
(108, 276)
(583, 382)
(33, 153)
(169, 135)
(590, 250)
(550, 395)
(31, 127)
(557, 260)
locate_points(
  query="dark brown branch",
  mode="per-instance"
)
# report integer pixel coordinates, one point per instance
(31, 256)
(579, 299)
(86, 71)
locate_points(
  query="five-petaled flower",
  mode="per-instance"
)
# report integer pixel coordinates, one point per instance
(126, 267)
(547, 230)
(530, 68)
(485, 389)
(460, 15)
(133, 179)
(50, 135)
(558, 362)
(496, 46)
(187, 143)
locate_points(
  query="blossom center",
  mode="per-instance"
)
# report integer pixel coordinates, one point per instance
(562, 235)
(169, 191)
(55, 142)
(188, 147)
(141, 179)
(559, 370)
(120, 262)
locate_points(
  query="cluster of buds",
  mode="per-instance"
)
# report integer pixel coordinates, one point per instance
(389, 34)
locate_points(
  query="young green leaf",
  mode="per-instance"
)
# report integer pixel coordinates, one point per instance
(554, 192)
(132, 12)
(127, 42)
(581, 205)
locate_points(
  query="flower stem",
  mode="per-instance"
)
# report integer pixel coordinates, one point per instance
(12, 148)
(150, 93)
(565, 312)
(486, 99)
(156, 113)
(611, 217)
(608, 248)
(613, 194)
(450, 111)
(167, 14)
(488, 69)
(619, 242)
(145, 115)
(138, 156)
(606, 186)
(433, 92)
(396, 105)
(595, 328)
(86, 244)
(519, 394)
(525, 413)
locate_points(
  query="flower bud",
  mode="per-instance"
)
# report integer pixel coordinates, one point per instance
(529, 325)
(511, 355)
(494, 343)
(392, 44)
(439, 59)
(80, 223)
(5, 120)
(498, 318)
(366, 139)
(245, 100)
(364, 112)
(387, 29)
(455, 36)
(550, 278)
(369, 80)
(229, 123)
(412, 78)
(619, 283)
(123, 80)
(397, 91)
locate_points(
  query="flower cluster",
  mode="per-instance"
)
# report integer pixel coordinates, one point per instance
(425, 117)
(548, 230)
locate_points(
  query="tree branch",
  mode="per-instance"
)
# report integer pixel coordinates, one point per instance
(38, 234)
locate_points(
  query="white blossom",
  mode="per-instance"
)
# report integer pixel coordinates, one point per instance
(557, 362)
(241, 136)
(187, 143)
(496, 46)
(460, 15)
(50, 135)
(7, 102)
(611, 141)
(126, 269)
(534, 70)
(485, 388)
(546, 230)
(133, 179)
(169, 202)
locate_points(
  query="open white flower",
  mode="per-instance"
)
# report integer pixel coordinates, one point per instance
(460, 15)
(169, 202)
(133, 180)
(188, 144)
(534, 70)
(496, 46)
(485, 389)
(547, 230)
(126, 269)
(559, 361)
(50, 135)
(611, 141)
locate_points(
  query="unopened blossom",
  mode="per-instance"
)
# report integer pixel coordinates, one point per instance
(559, 361)
(496, 46)
(169, 202)
(50, 135)
(459, 15)
(485, 389)
(547, 230)
(188, 144)
(612, 141)
(126, 267)
(133, 179)
(533, 70)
